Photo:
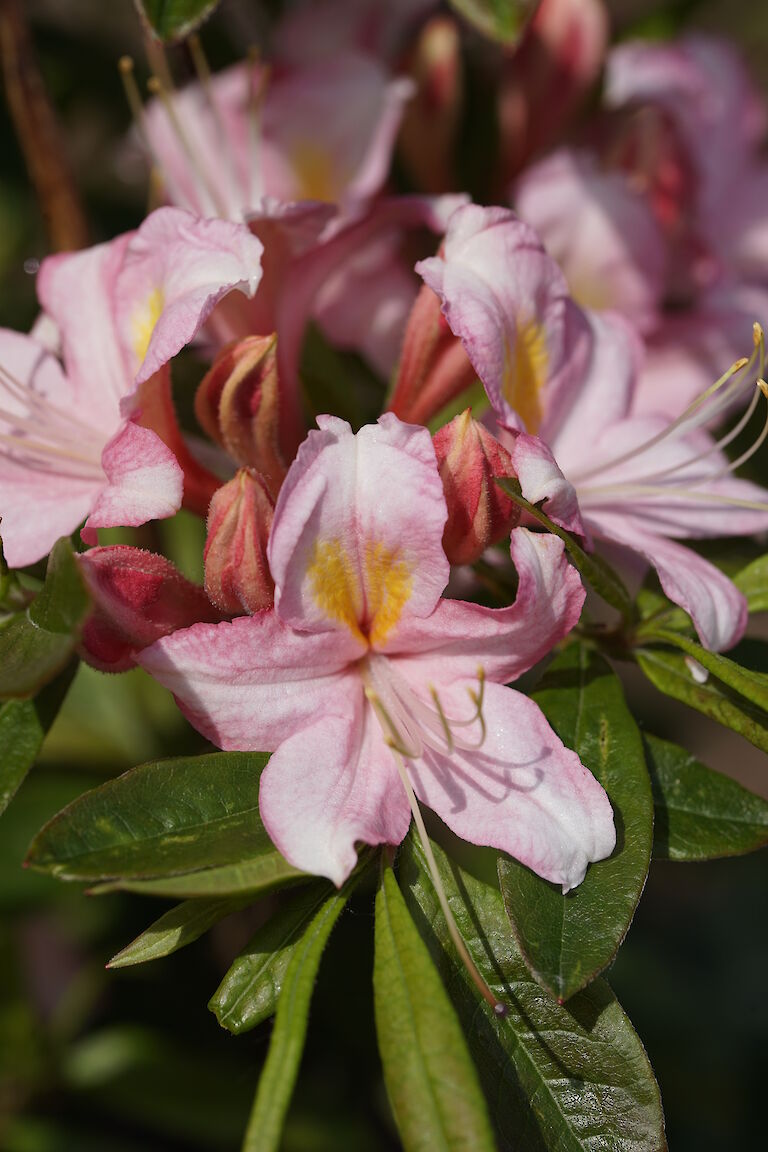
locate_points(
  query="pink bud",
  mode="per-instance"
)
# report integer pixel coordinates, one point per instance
(547, 76)
(237, 576)
(137, 598)
(434, 368)
(430, 125)
(238, 403)
(479, 513)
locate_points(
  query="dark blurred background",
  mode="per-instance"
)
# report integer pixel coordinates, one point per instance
(130, 1060)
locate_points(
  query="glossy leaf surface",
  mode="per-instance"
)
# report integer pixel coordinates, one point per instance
(36, 644)
(23, 725)
(573, 1078)
(669, 673)
(287, 1042)
(567, 940)
(175, 929)
(430, 1078)
(753, 582)
(500, 19)
(250, 990)
(700, 814)
(172, 816)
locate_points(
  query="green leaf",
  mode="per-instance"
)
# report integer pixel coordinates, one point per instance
(500, 19)
(35, 645)
(249, 992)
(753, 582)
(173, 816)
(174, 19)
(567, 940)
(573, 1078)
(700, 814)
(23, 725)
(175, 929)
(430, 1078)
(598, 574)
(287, 1041)
(256, 876)
(670, 674)
(753, 686)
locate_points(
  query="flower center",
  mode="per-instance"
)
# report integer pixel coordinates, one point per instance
(683, 478)
(410, 724)
(39, 435)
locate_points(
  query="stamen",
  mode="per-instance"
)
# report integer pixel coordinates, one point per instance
(158, 89)
(203, 72)
(443, 718)
(499, 1007)
(159, 171)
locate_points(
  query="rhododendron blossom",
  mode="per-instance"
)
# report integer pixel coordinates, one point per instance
(361, 670)
(569, 378)
(72, 447)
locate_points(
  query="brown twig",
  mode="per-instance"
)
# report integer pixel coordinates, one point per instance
(38, 132)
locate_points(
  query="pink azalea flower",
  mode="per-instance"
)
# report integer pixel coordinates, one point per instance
(640, 482)
(362, 672)
(72, 447)
(248, 137)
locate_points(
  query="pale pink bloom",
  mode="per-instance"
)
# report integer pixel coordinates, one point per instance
(600, 230)
(250, 136)
(72, 447)
(640, 482)
(361, 660)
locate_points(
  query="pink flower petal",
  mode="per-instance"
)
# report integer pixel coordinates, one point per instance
(715, 604)
(144, 482)
(522, 791)
(329, 786)
(459, 638)
(252, 683)
(542, 482)
(176, 269)
(356, 542)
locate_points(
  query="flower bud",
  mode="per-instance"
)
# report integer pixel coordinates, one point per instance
(137, 597)
(432, 118)
(434, 368)
(238, 402)
(237, 576)
(479, 513)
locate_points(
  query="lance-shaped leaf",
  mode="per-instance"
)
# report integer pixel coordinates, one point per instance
(431, 1080)
(752, 581)
(23, 725)
(567, 940)
(669, 673)
(174, 19)
(35, 645)
(255, 876)
(175, 929)
(753, 686)
(287, 1041)
(249, 992)
(500, 19)
(161, 819)
(700, 814)
(596, 571)
(573, 1078)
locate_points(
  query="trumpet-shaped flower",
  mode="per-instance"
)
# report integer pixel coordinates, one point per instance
(72, 446)
(635, 481)
(362, 672)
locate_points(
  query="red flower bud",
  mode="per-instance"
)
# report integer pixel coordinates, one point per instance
(428, 134)
(434, 368)
(479, 513)
(237, 404)
(137, 598)
(237, 576)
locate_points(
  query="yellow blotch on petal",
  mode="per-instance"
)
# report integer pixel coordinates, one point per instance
(369, 602)
(525, 373)
(143, 322)
(388, 587)
(314, 172)
(335, 584)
